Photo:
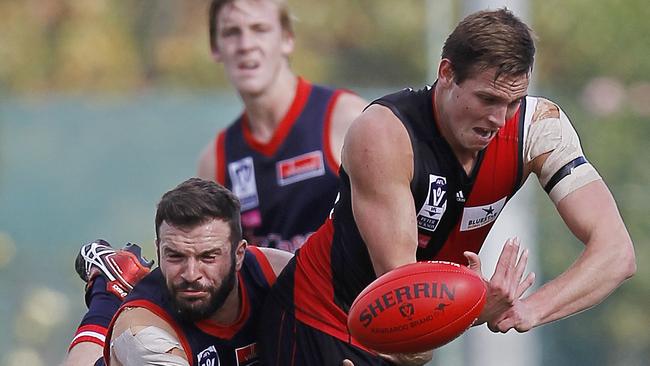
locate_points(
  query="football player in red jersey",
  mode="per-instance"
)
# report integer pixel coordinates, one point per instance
(441, 165)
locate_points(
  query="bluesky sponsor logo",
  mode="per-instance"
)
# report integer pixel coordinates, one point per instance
(479, 216)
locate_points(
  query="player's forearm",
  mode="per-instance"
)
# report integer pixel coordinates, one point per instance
(584, 284)
(83, 354)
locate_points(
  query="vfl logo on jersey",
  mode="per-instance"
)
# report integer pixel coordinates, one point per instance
(247, 355)
(478, 216)
(208, 357)
(242, 176)
(435, 205)
(299, 168)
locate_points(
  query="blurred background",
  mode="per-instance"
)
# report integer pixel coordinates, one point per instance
(105, 105)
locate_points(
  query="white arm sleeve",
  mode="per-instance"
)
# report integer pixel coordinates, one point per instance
(149, 346)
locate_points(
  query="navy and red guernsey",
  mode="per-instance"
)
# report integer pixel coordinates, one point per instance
(204, 342)
(287, 186)
(454, 211)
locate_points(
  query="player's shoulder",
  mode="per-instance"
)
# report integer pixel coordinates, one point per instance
(543, 108)
(136, 318)
(350, 101)
(208, 161)
(348, 106)
(407, 94)
(378, 133)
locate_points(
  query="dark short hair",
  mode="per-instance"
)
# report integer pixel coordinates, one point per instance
(217, 5)
(490, 39)
(197, 201)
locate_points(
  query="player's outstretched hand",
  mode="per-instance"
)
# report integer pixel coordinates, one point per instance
(505, 288)
(122, 268)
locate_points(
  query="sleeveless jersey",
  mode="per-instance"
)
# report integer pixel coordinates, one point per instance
(206, 343)
(286, 186)
(455, 212)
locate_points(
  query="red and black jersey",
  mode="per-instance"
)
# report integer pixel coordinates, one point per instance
(455, 212)
(204, 342)
(287, 186)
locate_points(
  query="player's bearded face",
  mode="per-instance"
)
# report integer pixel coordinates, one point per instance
(195, 309)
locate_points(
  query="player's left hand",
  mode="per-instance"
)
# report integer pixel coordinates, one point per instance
(519, 317)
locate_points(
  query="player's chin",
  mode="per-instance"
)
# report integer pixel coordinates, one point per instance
(477, 145)
(249, 85)
(195, 309)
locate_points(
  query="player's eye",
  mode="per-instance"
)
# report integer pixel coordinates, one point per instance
(174, 257)
(487, 99)
(228, 32)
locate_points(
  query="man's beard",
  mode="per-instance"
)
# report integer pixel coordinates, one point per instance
(196, 310)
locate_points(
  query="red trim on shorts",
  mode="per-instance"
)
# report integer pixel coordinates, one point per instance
(330, 157)
(303, 89)
(264, 263)
(88, 338)
(157, 310)
(220, 158)
(228, 331)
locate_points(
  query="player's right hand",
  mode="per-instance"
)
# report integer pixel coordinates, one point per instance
(122, 268)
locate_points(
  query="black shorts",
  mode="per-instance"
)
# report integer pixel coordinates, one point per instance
(285, 341)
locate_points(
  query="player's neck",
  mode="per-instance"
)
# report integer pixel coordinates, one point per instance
(266, 110)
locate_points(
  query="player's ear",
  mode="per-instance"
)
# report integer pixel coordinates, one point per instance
(288, 43)
(445, 72)
(240, 251)
(158, 249)
(216, 55)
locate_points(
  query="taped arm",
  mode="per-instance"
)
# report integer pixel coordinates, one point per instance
(378, 157)
(148, 346)
(587, 207)
(142, 338)
(553, 152)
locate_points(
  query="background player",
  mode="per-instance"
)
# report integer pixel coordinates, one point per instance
(441, 165)
(281, 155)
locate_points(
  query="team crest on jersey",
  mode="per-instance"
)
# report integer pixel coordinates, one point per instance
(301, 167)
(242, 176)
(208, 357)
(247, 355)
(435, 205)
(478, 216)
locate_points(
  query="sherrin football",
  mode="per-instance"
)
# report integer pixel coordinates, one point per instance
(417, 307)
